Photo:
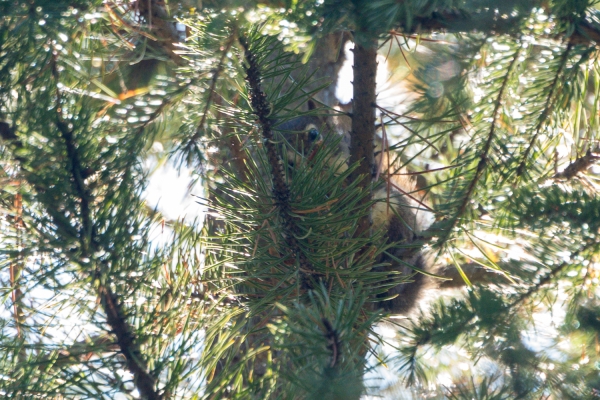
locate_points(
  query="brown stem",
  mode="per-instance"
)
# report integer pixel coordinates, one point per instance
(16, 295)
(126, 340)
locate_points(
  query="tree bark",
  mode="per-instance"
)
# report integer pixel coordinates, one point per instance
(363, 117)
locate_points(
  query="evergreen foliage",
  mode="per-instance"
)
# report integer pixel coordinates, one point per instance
(492, 108)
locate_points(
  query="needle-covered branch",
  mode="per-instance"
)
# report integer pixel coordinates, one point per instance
(281, 191)
(116, 319)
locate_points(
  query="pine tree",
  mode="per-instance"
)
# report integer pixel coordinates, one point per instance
(490, 110)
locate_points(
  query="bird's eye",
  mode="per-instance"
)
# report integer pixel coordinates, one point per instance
(313, 134)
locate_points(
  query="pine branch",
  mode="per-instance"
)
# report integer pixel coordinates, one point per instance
(548, 278)
(455, 21)
(507, 311)
(452, 21)
(550, 102)
(281, 191)
(75, 164)
(126, 340)
(483, 156)
(115, 317)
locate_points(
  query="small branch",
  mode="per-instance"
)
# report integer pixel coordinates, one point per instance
(75, 164)
(211, 90)
(16, 268)
(483, 157)
(7, 133)
(281, 192)
(550, 101)
(548, 277)
(333, 342)
(428, 171)
(16, 296)
(115, 319)
(579, 165)
(126, 340)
